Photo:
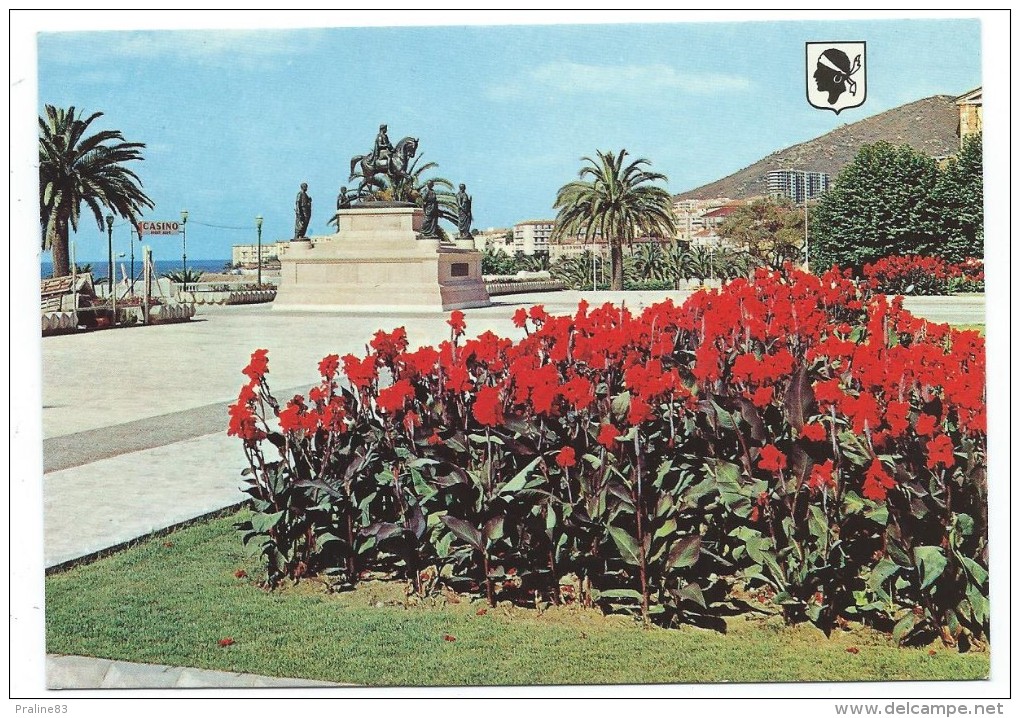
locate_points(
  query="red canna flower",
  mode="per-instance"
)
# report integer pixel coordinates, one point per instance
(607, 436)
(762, 397)
(488, 406)
(435, 439)
(456, 322)
(411, 420)
(821, 476)
(940, 452)
(813, 432)
(329, 365)
(566, 457)
(258, 367)
(877, 482)
(394, 397)
(771, 459)
(521, 318)
(639, 411)
(925, 424)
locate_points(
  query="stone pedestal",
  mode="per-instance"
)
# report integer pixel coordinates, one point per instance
(376, 261)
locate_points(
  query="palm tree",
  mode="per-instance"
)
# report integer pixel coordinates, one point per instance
(75, 168)
(676, 263)
(618, 202)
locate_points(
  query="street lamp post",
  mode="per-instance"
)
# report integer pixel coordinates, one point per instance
(131, 243)
(109, 244)
(184, 244)
(805, 223)
(258, 228)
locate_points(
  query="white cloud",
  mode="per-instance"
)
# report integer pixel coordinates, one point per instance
(578, 78)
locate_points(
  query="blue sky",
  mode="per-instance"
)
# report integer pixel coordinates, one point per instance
(234, 121)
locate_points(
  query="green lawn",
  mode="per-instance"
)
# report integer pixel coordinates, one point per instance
(170, 600)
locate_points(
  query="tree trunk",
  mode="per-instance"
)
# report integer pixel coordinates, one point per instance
(57, 239)
(616, 262)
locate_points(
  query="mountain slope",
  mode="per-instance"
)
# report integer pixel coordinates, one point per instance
(928, 125)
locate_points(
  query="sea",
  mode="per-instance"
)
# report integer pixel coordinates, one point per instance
(100, 266)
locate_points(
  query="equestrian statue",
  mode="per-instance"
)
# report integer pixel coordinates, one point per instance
(384, 159)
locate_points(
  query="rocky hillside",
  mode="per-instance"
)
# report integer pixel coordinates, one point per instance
(928, 125)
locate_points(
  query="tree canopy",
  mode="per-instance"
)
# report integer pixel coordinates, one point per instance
(75, 168)
(771, 229)
(895, 200)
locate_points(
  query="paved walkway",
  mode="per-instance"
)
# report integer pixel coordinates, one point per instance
(78, 672)
(134, 420)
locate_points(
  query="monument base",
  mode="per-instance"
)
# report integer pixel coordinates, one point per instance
(378, 261)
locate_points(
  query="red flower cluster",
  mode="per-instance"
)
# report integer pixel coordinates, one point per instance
(801, 359)
(915, 274)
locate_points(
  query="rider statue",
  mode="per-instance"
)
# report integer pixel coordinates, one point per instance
(382, 148)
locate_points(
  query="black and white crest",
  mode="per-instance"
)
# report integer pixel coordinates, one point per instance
(836, 74)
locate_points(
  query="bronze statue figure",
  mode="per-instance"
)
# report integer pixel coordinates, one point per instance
(302, 213)
(382, 147)
(430, 205)
(343, 201)
(464, 213)
(384, 159)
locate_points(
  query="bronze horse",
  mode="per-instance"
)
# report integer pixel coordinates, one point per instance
(394, 167)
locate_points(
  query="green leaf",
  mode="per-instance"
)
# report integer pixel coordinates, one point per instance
(493, 529)
(881, 573)
(621, 403)
(974, 569)
(726, 419)
(852, 503)
(519, 481)
(621, 593)
(668, 528)
(932, 563)
(979, 602)
(965, 524)
(465, 531)
(818, 525)
(879, 513)
(261, 523)
(626, 544)
(692, 592)
(483, 439)
(684, 552)
(903, 627)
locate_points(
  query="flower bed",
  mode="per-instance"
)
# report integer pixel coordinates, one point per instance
(791, 441)
(927, 276)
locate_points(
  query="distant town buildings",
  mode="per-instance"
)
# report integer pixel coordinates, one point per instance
(496, 239)
(698, 220)
(247, 255)
(969, 106)
(533, 235)
(797, 185)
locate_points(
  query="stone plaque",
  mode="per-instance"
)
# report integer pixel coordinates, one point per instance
(459, 269)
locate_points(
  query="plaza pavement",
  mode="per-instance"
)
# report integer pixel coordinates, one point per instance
(134, 419)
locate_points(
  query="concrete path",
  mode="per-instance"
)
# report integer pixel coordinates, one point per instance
(79, 672)
(134, 422)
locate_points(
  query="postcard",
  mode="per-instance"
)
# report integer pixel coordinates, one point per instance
(521, 354)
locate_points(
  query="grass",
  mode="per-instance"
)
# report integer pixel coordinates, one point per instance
(170, 600)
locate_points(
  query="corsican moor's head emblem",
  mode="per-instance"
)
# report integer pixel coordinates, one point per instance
(836, 75)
